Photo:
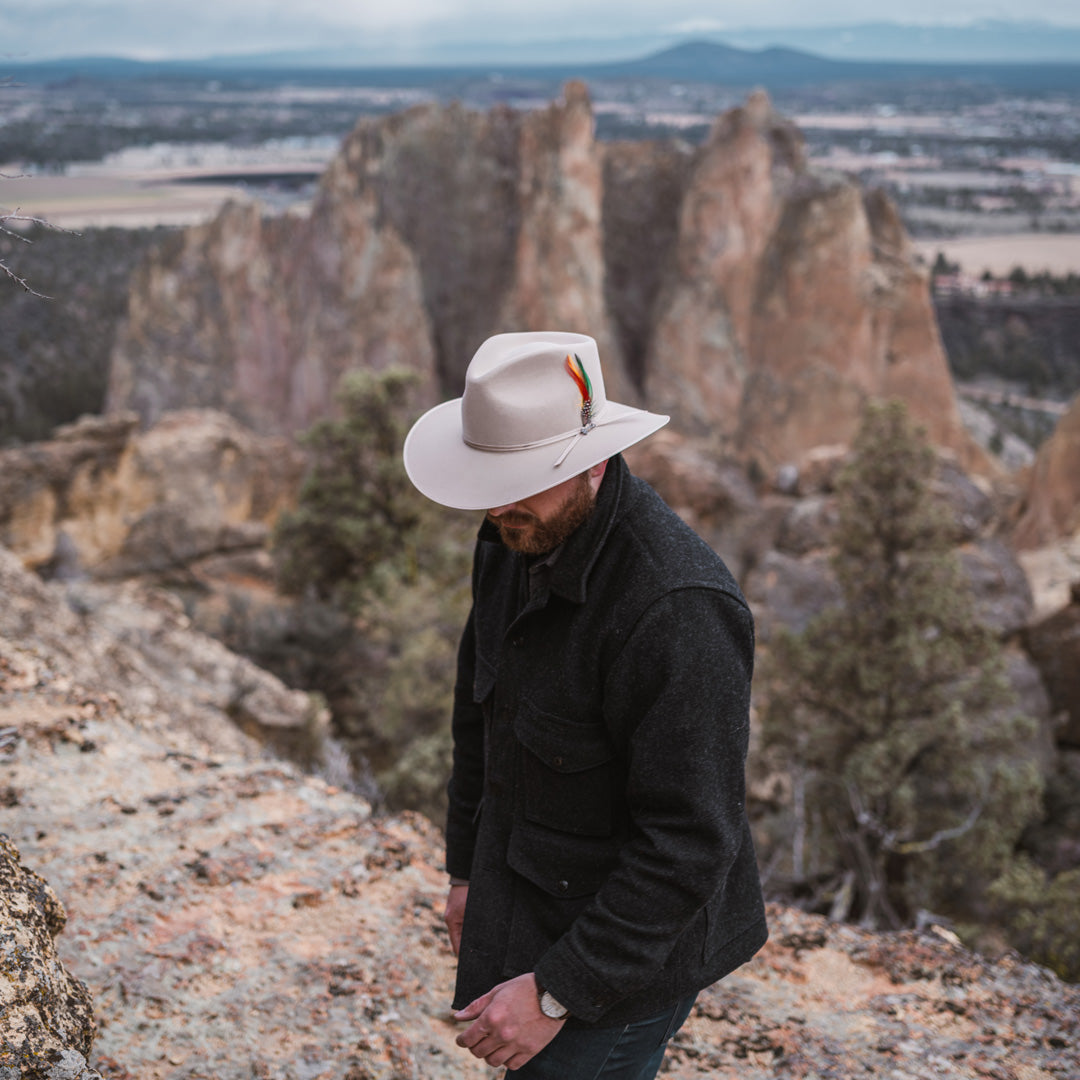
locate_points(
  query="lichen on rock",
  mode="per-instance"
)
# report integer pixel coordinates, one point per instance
(46, 1015)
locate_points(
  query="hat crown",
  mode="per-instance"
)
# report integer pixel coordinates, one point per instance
(519, 392)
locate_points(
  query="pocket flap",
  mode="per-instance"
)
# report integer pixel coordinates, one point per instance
(558, 865)
(562, 745)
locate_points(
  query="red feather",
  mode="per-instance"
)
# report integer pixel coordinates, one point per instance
(581, 385)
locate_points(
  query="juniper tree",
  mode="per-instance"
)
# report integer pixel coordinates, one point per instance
(891, 711)
(363, 543)
(359, 524)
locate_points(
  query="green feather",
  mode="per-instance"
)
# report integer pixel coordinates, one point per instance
(584, 375)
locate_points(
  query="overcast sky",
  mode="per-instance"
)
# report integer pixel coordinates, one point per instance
(152, 29)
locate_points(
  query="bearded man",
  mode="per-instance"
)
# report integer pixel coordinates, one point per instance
(601, 866)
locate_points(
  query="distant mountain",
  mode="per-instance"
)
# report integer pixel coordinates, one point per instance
(715, 62)
(706, 61)
(986, 40)
(781, 68)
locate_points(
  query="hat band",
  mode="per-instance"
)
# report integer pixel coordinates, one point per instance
(508, 447)
(574, 436)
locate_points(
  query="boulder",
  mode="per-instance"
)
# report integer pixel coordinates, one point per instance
(46, 1015)
(694, 480)
(999, 586)
(807, 526)
(788, 592)
(971, 507)
(711, 492)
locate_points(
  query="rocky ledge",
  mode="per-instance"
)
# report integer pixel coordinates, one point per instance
(232, 917)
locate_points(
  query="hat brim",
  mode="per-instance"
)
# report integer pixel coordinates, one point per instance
(449, 471)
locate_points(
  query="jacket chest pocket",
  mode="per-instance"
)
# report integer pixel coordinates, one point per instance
(567, 773)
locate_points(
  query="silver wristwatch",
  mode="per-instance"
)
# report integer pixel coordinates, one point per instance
(549, 1006)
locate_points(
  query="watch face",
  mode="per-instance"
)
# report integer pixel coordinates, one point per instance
(550, 1007)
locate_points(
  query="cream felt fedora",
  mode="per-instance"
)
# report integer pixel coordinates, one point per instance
(534, 413)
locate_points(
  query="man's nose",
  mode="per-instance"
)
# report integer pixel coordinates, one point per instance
(498, 511)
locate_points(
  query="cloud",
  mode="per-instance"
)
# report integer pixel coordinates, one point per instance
(158, 28)
(699, 26)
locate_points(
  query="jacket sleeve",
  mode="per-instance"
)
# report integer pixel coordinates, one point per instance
(676, 701)
(467, 776)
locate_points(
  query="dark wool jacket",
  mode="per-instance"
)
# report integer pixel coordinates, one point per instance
(597, 802)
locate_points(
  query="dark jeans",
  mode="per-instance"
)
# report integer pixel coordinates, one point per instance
(630, 1052)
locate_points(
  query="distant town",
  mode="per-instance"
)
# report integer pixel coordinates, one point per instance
(986, 175)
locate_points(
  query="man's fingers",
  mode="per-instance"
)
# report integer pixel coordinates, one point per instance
(454, 914)
(453, 926)
(478, 1042)
(502, 1056)
(473, 1009)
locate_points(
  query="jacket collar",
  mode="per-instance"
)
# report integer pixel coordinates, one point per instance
(570, 573)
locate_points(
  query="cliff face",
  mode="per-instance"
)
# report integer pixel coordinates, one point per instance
(261, 317)
(1050, 505)
(101, 497)
(758, 303)
(841, 314)
(699, 355)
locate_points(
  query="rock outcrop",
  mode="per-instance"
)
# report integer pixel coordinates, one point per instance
(758, 302)
(47, 1017)
(432, 229)
(101, 497)
(137, 643)
(840, 315)
(1049, 509)
(700, 354)
(235, 918)
(1046, 530)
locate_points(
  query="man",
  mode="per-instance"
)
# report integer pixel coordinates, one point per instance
(602, 871)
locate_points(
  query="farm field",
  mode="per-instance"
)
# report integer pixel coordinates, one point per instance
(1037, 253)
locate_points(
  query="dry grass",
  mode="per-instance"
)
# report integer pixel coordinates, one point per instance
(78, 202)
(1035, 252)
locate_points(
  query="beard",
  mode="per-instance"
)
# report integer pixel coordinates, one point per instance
(530, 535)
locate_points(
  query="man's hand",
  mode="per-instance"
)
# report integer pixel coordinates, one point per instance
(508, 1027)
(454, 913)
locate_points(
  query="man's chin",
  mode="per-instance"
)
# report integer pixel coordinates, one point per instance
(519, 538)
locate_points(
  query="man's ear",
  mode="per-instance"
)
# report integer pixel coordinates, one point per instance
(596, 474)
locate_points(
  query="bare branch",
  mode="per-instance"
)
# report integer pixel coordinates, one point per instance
(21, 282)
(917, 847)
(889, 839)
(15, 215)
(29, 219)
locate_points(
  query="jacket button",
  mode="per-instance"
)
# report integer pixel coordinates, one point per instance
(563, 886)
(557, 761)
(518, 642)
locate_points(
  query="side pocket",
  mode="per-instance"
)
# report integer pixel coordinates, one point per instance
(563, 867)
